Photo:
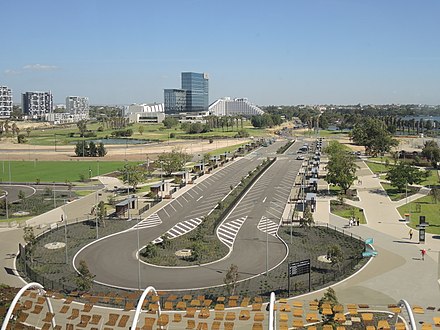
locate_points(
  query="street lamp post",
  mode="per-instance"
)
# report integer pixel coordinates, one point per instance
(139, 257)
(267, 249)
(6, 205)
(64, 219)
(96, 215)
(54, 200)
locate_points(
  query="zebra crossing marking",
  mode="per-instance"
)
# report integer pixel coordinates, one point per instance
(266, 225)
(227, 231)
(180, 228)
(150, 221)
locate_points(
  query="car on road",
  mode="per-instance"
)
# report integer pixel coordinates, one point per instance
(300, 157)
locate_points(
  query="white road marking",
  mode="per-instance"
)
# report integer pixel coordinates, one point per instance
(199, 198)
(181, 228)
(227, 231)
(266, 225)
(264, 199)
(150, 221)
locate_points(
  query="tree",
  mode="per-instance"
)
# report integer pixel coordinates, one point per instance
(132, 175)
(84, 278)
(28, 131)
(93, 152)
(372, 134)
(21, 138)
(101, 150)
(21, 195)
(141, 129)
(431, 151)
(30, 240)
(81, 149)
(82, 127)
(334, 254)
(101, 213)
(331, 299)
(307, 219)
(169, 122)
(173, 161)
(231, 279)
(341, 167)
(403, 174)
(435, 194)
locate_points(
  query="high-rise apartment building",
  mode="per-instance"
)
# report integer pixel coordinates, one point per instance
(37, 104)
(192, 97)
(5, 102)
(78, 106)
(197, 91)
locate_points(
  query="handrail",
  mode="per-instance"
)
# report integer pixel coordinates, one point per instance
(17, 298)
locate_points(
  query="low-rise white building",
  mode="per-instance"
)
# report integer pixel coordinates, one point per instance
(234, 107)
(145, 113)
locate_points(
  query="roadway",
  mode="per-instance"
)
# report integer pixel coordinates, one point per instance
(113, 259)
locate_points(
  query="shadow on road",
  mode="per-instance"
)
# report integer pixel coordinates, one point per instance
(405, 242)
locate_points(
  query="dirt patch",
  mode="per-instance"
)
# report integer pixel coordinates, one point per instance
(15, 151)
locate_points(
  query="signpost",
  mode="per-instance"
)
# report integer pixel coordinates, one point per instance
(298, 268)
(421, 227)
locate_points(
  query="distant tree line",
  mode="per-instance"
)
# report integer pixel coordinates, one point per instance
(266, 120)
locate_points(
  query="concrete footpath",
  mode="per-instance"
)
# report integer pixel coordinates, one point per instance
(397, 272)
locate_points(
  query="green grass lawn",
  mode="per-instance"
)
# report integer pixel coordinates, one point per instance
(231, 148)
(347, 211)
(376, 167)
(427, 208)
(432, 179)
(396, 195)
(55, 171)
(382, 159)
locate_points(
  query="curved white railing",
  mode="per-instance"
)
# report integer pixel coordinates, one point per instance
(412, 321)
(139, 306)
(17, 298)
(272, 319)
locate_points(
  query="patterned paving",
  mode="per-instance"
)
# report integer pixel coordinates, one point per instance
(227, 231)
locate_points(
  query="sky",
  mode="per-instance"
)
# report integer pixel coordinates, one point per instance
(278, 52)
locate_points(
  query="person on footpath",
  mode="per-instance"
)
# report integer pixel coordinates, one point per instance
(423, 251)
(410, 233)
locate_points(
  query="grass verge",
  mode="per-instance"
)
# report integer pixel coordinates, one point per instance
(347, 211)
(423, 206)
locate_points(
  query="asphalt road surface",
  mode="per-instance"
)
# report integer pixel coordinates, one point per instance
(248, 230)
(13, 191)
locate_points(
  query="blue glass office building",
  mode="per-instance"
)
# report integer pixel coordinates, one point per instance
(192, 97)
(197, 91)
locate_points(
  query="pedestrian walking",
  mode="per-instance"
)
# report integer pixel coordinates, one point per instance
(358, 221)
(423, 254)
(410, 233)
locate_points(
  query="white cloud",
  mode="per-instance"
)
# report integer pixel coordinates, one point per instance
(11, 72)
(40, 67)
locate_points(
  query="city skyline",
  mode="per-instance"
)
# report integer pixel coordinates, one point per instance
(282, 52)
